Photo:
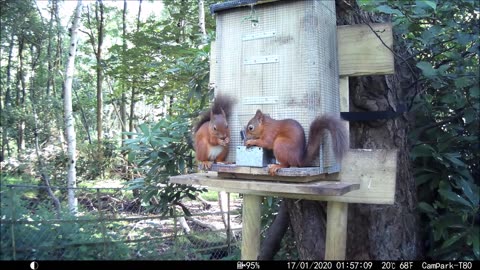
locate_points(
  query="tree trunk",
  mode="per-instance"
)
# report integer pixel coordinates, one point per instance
(308, 222)
(7, 100)
(133, 93)
(20, 98)
(49, 48)
(58, 52)
(201, 19)
(84, 118)
(273, 238)
(132, 110)
(123, 101)
(375, 232)
(69, 119)
(100, 20)
(383, 232)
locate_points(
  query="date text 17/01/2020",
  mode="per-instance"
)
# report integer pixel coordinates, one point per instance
(357, 265)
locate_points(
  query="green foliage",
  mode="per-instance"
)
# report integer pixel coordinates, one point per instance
(94, 160)
(159, 151)
(442, 36)
(178, 72)
(36, 235)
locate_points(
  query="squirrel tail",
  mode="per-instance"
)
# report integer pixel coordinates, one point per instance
(338, 131)
(221, 102)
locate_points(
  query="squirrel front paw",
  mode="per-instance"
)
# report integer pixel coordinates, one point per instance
(205, 165)
(224, 142)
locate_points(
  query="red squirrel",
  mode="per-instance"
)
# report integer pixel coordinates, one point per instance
(287, 139)
(212, 134)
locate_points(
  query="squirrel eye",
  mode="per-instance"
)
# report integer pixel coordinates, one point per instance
(214, 127)
(250, 127)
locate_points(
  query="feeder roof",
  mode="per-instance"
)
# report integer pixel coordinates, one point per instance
(237, 3)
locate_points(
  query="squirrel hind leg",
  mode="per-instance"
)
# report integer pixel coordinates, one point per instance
(273, 168)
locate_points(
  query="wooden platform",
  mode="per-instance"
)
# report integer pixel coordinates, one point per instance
(367, 176)
(293, 175)
(318, 188)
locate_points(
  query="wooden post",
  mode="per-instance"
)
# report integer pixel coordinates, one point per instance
(251, 226)
(336, 240)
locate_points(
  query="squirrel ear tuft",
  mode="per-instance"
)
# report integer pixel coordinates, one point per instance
(259, 116)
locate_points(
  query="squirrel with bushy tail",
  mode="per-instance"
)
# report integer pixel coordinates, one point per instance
(287, 139)
(211, 133)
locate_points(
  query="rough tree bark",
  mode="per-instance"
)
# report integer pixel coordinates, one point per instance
(375, 232)
(69, 119)
(271, 245)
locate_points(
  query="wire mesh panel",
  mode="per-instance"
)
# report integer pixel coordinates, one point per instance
(109, 225)
(279, 57)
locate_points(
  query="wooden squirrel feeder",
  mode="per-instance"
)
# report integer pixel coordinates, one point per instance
(289, 59)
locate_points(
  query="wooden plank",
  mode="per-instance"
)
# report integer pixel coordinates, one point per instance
(336, 238)
(294, 174)
(322, 188)
(360, 51)
(374, 170)
(284, 179)
(251, 219)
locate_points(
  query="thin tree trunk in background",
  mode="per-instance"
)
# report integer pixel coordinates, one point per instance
(133, 93)
(123, 101)
(7, 100)
(57, 66)
(69, 119)
(99, 14)
(33, 69)
(49, 48)
(20, 99)
(201, 19)
(84, 118)
(132, 111)
(58, 52)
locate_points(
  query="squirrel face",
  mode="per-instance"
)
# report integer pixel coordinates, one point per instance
(255, 126)
(218, 127)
